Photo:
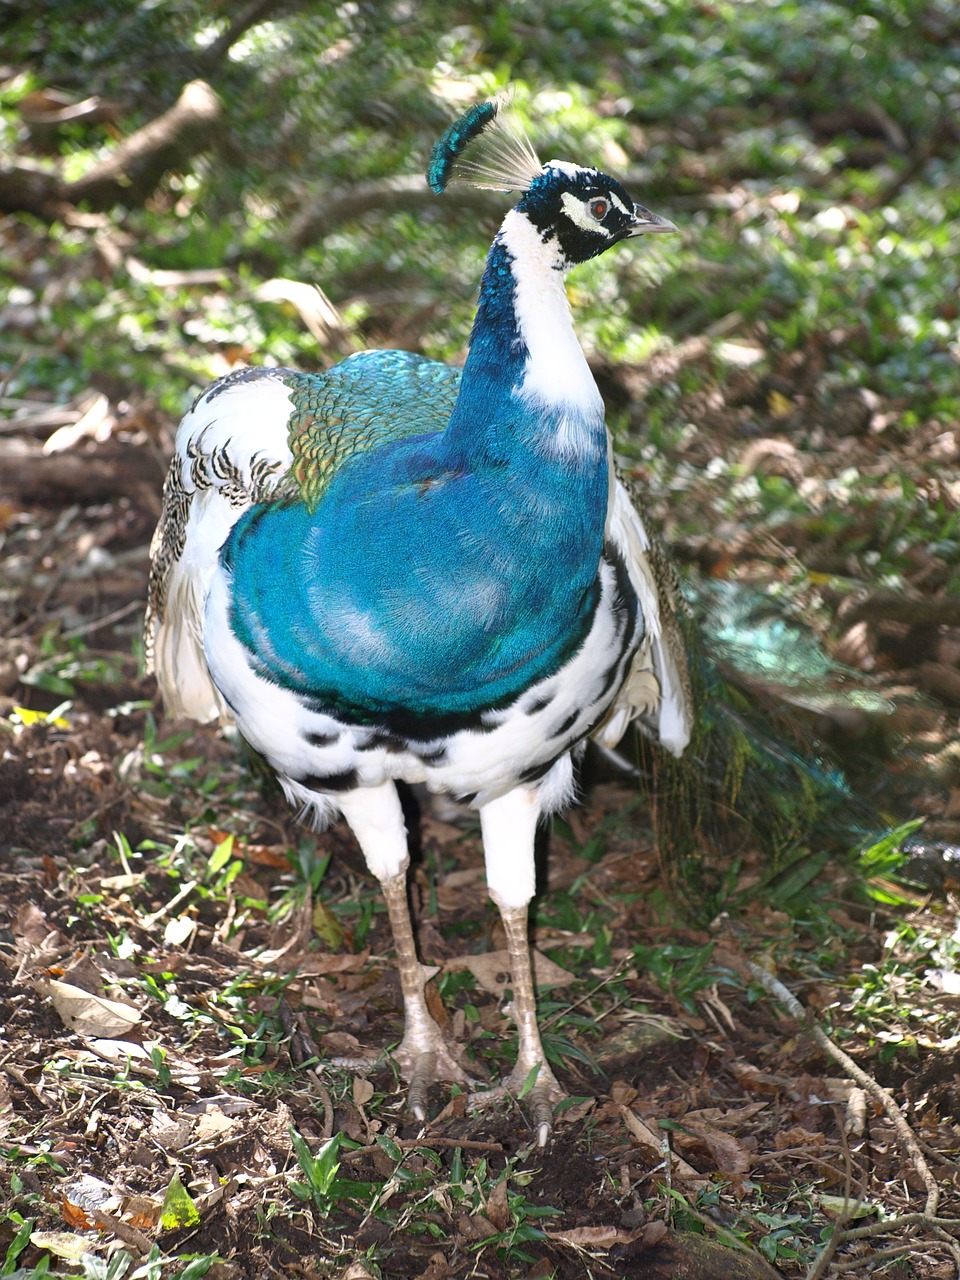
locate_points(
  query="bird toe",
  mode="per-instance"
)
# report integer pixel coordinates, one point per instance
(424, 1068)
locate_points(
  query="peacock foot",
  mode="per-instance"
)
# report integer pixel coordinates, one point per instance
(426, 1060)
(539, 1099)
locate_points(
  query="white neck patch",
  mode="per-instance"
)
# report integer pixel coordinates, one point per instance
(557, 375)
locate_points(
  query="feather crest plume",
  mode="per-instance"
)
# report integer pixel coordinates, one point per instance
(484, 148)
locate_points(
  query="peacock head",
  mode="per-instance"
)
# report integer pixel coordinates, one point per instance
(586, 210)
(583, 210)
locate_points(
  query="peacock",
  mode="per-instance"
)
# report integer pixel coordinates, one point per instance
(396, 571)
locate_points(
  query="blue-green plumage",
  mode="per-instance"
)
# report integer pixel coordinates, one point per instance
(442, 581)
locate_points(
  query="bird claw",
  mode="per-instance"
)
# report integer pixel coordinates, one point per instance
(539, 1100)
(422, 1069)
(541, 1107)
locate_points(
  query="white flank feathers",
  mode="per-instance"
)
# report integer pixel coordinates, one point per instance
(655, 685)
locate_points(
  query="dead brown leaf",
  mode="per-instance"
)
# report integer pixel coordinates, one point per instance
(496, 1209)
(437, 1268)
(797, 1136)
(477, 1226)
(492, 970)
(362, 1091)
(87, 1014)
(32, 926)
(604, 1237)
(731, 1156)
(142, 1212)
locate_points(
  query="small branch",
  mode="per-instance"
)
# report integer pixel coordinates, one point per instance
(943, 1228)
(252, 15)
(29, 188)
(54, 479)
(129, 174)
(404, 191)
(99, 623)
(943, 134)
(951, 1244)
(132, 171)
(428, 1142)
(886, 606)
(900, 1223)
(905, 1134)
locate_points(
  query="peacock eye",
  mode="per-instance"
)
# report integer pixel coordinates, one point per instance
(598, 208)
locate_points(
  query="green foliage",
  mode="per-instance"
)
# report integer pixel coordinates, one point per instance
(807, 151)
(322, 1186)
(17, 1244)
(804, 112)
(65, 663)
(683, 971)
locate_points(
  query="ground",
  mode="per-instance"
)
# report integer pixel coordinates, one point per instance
(198, 996)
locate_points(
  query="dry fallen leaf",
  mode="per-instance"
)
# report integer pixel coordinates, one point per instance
(647, 1138)
(87, 1014)
(142, 1212)
(211, 1126)
(438, 1268)
(855, 1121)
(65, 1244)
(604, 1237)
(731, 1157)
(496, 1209)
(492, 970)
(475, 1226)
(32, 926)
(362, 1091)
(356, 1271)
(797, 1136)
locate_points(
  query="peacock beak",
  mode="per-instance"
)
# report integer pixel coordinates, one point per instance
(644, 222)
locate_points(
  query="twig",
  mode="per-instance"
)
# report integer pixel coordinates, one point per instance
(416, 1144)
(880, 1255)
(99, 623)
(431, 1140)
(327, 1101)
(951, 1244)
(899, 1223)
(8, 376)
(819, 1265)
(822, 1260)
(905, 1134)
(122, 1230)
(604, 982)
(943, 1228)
(887, 606)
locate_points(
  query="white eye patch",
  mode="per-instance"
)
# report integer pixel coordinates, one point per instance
(577, 213)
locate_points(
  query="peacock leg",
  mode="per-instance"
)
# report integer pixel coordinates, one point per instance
(376, 819)
(509, 827)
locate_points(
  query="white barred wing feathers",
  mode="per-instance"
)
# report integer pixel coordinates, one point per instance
(231, 452)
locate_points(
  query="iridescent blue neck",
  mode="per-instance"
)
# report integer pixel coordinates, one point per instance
(526, 385)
